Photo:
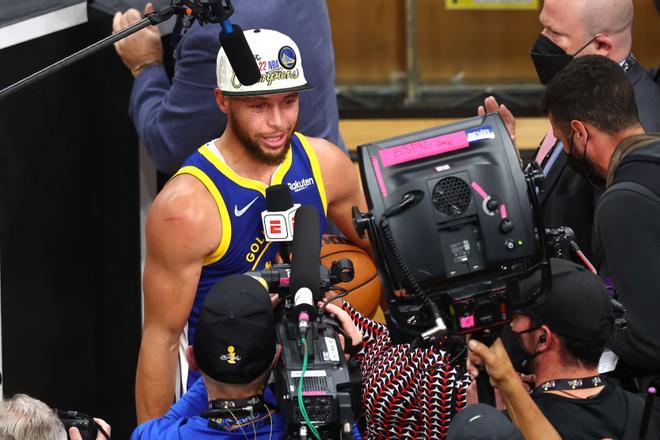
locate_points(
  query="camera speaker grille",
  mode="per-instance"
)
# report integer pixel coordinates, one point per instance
(451, 196)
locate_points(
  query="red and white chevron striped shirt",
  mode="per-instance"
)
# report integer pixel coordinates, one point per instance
(407, 393)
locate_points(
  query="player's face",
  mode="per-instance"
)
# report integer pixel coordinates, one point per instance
(265, 124)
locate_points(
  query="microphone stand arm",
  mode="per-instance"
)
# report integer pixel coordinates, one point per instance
(150, 19)
(206, 12)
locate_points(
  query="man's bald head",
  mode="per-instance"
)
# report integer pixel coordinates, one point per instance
(573, 23)
(606, 16)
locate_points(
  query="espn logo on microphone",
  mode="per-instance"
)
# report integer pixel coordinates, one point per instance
(278, 225)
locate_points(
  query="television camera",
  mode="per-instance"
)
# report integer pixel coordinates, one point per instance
(477, 228)
(317, 392)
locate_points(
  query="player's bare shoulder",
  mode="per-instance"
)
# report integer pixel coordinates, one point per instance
(334, 163)
(326, 150)
(185, 212)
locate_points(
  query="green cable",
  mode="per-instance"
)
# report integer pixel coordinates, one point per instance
(301, 404)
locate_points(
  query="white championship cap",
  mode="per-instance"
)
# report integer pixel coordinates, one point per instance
(279, 62)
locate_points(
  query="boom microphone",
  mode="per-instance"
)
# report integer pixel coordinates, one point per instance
(305, 276)
(239, 54)
(278, 199)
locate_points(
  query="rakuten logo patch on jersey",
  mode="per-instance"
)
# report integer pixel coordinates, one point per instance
(299, 185)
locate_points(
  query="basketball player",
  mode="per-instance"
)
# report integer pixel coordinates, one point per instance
(206, 224)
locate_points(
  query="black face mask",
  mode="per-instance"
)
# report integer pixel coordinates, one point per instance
(526, 356)
(549, 58)
(583, 166)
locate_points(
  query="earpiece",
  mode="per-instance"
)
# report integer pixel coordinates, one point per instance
(542, 339)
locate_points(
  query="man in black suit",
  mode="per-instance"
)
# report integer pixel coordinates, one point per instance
(574, 28)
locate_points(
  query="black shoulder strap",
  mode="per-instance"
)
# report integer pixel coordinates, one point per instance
(633, 186)
(644, 172)
(633, 426)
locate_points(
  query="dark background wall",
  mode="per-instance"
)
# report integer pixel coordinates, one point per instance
(69, 229)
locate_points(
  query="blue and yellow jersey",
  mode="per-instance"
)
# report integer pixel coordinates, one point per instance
(240, 202)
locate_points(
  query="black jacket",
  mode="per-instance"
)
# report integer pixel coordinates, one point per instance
(627, 249)
(613, 413)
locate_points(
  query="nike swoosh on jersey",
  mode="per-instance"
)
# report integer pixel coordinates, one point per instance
(240, 212)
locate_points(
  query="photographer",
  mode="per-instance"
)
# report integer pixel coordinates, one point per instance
(23, 417)
(519, 405)
(592, 110)
(415, 393)
(564, 335)
(235, 349)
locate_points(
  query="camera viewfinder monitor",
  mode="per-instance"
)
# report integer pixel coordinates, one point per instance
(471, 222)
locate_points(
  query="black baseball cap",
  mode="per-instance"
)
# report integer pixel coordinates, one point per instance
(234, 338)
(576, 306)
(482, 422)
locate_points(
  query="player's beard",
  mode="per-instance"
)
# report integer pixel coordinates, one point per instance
(254, 149)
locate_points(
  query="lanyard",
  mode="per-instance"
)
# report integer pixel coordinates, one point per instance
(570, 384)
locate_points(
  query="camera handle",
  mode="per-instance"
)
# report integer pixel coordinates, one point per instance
(485, 391)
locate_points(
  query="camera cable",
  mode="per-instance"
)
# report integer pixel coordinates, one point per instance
(254, 430)
(343, 293)
(301, 403)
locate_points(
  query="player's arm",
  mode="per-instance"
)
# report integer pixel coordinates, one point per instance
(183, 227)
(342, 188)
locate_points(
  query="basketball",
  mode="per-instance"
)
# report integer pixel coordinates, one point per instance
(364, 289)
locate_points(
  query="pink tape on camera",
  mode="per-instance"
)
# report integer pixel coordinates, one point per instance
(424, 148)
(467, 321)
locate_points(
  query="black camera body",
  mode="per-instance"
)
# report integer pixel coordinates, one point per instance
(330, 389)
(326, 388)
(85, 424)
(559, 242)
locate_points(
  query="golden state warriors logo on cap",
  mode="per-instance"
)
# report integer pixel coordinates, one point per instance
(287, 57)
